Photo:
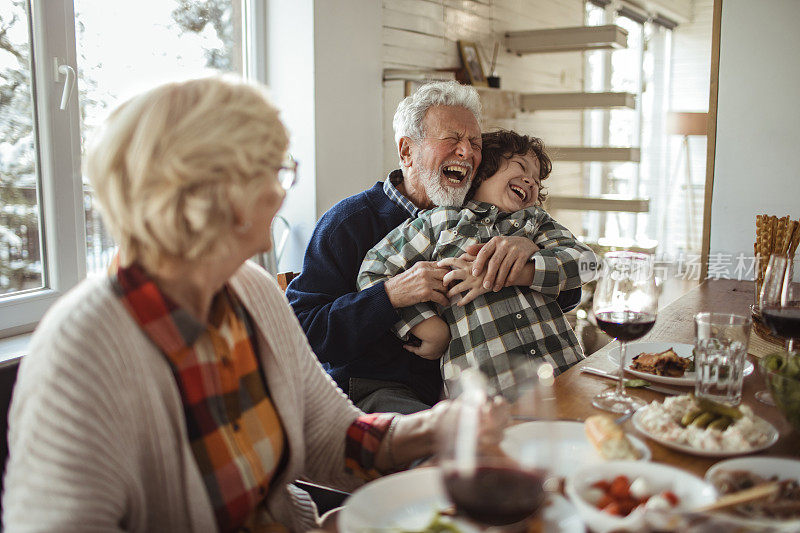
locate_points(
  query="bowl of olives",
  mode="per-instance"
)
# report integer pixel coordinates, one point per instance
(782, 374)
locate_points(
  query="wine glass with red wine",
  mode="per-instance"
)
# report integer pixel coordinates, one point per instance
(486, 485)
(625, 307)
(779, 307)
(779, 301)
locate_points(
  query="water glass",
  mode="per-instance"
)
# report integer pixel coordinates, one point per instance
(720, 350)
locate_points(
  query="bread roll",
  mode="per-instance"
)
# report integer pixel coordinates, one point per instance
(609, 439)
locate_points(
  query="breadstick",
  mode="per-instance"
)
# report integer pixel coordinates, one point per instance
(795, 239)
(772, 229)
(780, 229)
(788, 235)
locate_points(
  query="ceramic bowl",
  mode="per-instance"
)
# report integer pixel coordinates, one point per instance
(691, 491)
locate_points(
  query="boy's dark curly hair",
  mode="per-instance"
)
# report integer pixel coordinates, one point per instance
(504, 144)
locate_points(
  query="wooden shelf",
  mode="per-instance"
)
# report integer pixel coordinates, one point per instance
(591, 153)
(498, 103)
(578, 38)
(607, 202)
(421, 75)
(545, 101)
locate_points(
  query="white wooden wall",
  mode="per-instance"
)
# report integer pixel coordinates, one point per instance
(422, 34)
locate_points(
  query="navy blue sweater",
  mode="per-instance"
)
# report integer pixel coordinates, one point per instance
(350, 330)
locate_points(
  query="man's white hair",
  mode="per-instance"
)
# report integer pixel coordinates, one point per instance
(411, 111)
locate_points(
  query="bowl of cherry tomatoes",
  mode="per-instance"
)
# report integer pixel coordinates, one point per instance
(615, 496)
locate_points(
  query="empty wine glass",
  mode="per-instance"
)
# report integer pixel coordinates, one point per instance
(779, 304)
(625, 307)
(485, 484)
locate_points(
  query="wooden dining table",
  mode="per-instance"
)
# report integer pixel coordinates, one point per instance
(675, 323)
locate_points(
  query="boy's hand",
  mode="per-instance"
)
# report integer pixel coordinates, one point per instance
(428, 349)
(503, 258)
(434, 334)
(460, 279)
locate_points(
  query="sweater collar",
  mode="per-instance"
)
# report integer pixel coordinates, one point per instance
(394, 179)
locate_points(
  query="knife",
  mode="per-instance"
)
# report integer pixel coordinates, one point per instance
(609, 375)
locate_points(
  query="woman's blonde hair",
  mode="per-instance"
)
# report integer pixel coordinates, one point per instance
(175, 167)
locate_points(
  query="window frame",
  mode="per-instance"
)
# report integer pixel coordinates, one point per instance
(58, 152)
(57, 146)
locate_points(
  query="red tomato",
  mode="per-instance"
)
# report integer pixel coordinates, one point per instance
(627, 505)
(613, 508)
(671, 497)
(603, 502)
(620, 488)
(602, 485)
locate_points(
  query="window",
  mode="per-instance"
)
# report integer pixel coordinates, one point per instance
(21, 266)
(642, 69)
(51, 234)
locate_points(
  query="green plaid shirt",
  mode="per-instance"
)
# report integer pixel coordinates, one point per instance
(491, 330)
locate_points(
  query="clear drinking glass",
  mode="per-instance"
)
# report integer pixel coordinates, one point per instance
(720, 349)
(486, 485)
(625, 307)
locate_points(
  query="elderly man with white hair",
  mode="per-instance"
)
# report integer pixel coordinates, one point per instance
(438, 139)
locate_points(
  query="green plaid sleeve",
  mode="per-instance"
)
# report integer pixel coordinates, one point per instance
(563, 261)
(407, 244)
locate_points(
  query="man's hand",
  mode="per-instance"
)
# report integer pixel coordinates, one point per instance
(502, 257)
(461, 280)
(420, 283)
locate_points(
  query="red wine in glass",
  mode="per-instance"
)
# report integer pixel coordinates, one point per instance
(625, 305)
(496, 495)
(784, 322)
(625, 325)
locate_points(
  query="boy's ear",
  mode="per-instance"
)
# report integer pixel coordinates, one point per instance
(405, 148)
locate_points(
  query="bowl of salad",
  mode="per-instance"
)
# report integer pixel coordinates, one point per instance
(615, 496)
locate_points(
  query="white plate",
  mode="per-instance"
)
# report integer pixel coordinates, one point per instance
(683, 350)
(572, 450)
(783, 468)
(772, 438)
(409, 500)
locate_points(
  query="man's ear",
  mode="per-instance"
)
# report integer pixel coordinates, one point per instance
(405, 148)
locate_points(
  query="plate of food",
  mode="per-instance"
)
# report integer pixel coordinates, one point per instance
(780, 512)
(706, 428)
(579, 443)
(670, 363)
(415, 501)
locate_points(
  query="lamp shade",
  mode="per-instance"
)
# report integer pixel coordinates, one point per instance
(686, 123)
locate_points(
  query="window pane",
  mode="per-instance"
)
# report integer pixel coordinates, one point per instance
(126, 47)
(20, 238)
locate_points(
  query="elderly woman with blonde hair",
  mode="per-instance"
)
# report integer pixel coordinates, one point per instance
(179, 393)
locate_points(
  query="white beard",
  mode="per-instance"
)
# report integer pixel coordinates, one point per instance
(442, 195)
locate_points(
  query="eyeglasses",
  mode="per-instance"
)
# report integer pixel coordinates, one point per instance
(287, 172)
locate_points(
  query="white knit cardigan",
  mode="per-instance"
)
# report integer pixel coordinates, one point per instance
(97, 433)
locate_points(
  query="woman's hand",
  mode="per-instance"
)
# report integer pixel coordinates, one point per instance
(416, 436)
(503, 258)
(460, 279)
